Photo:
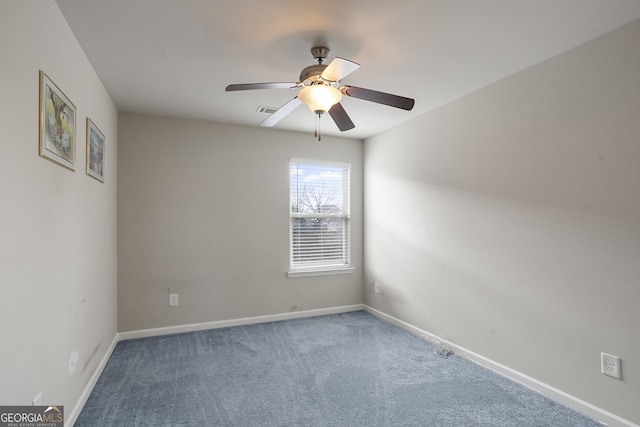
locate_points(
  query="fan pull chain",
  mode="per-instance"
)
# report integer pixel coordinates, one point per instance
(317, 131)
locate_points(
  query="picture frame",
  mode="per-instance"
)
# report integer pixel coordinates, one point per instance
(57, 141)
(95, 151)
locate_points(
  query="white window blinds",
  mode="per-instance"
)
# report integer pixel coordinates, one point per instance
(320, 213)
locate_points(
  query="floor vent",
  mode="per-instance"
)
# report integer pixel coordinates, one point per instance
(266, 110)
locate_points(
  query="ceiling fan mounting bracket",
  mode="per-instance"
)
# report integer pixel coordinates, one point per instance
(320, 53)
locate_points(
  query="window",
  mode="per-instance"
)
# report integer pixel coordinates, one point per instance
(320, 214)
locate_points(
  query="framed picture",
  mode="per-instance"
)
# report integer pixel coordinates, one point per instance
(57, 124)
(95, 151)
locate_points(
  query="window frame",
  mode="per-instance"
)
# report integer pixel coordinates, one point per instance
(322, 269)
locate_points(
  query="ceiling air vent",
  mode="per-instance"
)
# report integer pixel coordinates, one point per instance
(266, 110)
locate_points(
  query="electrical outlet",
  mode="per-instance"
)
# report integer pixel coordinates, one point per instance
(73, 361)
(173, 300)
(610, 365)
(376, 288)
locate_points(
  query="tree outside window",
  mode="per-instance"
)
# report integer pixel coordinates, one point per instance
(319, 197)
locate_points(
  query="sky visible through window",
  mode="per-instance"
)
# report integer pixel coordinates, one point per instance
(325, 181)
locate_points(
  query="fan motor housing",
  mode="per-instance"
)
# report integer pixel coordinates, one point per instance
(312, 71)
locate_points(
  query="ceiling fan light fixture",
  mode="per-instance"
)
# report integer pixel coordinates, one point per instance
(319, 97)
(318, 90)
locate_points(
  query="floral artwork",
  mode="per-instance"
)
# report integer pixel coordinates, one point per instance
(57, 124)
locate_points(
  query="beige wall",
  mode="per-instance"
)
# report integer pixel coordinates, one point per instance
(203, 211)
(509, 221)
(57, 227)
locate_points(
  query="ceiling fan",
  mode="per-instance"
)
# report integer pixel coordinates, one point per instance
(321, 91)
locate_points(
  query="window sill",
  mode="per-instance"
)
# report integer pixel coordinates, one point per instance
(320, 272)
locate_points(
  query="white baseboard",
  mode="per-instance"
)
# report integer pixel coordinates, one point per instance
(605, 417)
(144, 333)
(122, 336)
(70, 419)
(592, 411)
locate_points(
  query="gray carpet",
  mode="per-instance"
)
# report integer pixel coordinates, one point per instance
(349, 369)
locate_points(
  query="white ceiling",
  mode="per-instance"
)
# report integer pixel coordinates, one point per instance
(175, 57)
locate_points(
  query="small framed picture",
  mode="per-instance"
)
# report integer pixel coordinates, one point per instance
(95, 151)
(57, 124)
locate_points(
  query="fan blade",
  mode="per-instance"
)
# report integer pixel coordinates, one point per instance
(252, 86)
(338, 69)
(341, 117)
(281, 112)
(379, 97)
